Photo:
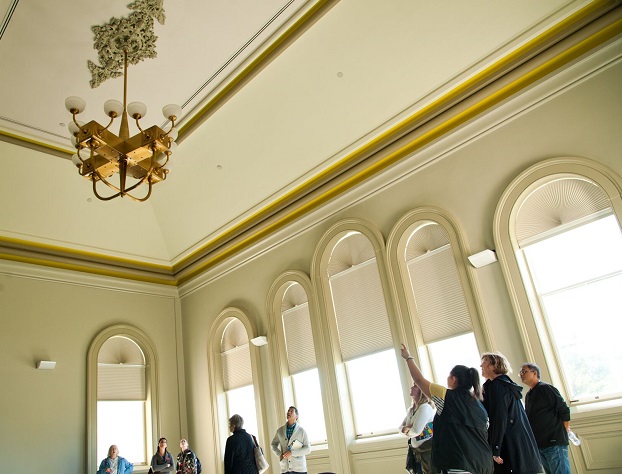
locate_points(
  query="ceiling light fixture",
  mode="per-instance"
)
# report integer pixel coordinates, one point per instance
(101, 153)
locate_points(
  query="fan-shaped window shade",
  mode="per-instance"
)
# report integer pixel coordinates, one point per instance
(121, 371)
(557, 203)
(236, 358)
(360, 311)
(352, 250)
(299, 339)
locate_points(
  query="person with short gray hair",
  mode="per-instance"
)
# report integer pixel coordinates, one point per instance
(240, 449)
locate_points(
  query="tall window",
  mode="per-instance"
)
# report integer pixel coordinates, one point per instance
(302, 365)
(365, 336)
(237, 374)
(122, 399)
(570, 254)
(439, 299)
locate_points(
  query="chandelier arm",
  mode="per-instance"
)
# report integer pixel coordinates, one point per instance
(138, 125)
(73, 118)
(107, 183)
(143, 199)
(146, 177)
(110, 123)
(172, 119)
(97, 195)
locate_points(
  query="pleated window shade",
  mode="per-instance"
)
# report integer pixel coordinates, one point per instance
(121, 370)
(236, 367)
(360, 310)
(441, 305)
(299, 339)
(557, 203)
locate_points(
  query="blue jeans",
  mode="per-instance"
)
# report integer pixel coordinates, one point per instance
(555, 459)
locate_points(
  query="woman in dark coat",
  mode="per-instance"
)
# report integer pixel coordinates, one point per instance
(514, 448)
(240, 449)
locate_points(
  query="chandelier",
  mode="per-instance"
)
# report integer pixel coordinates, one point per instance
(101, 154)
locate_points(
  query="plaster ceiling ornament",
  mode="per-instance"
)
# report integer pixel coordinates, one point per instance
(133, 35)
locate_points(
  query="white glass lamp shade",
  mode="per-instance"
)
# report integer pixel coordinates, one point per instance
(75, 104)
(74, 140)
(136, 110)
(161, 158)
(173, 133)
(113, 108)
(73, 128)
(171, 111)
(75, 159)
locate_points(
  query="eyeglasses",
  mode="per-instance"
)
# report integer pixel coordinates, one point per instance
(523, 372)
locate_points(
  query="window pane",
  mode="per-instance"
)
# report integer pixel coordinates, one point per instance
(459, 350)
(308, 396)
(376, 393)
(578, 277)
(241, 401)
(586, 324)
(121, 423)
(578, 255)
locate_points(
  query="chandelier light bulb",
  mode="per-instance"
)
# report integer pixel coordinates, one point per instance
(113, 108)
(73, 128)
(75, 104)
(171, 111)
(136, 110)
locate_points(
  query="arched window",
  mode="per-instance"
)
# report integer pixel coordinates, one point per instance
(354, 296)
(122, 399)
(237, 373)
(299, 370)
(564, 241)
(235, 378)
(426, 256)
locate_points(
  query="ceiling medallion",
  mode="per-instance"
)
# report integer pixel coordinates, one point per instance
(100, 153)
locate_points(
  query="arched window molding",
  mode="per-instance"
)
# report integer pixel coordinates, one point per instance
(284, 398)
(320, 279)
(152, 386)
(533, 332)
(400, 280)
(220, 426)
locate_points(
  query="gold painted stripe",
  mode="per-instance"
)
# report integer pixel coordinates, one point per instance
(62, 252)
(86, 269)
(481, 78)
(490, 101)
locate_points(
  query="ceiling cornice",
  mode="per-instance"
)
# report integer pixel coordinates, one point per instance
(586, 30)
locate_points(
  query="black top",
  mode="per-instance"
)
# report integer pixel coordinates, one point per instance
(547, 410)
(240, 454)
(509, 433)
(460, 440)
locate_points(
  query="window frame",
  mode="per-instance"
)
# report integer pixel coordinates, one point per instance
(405, 298)
(218, 405)
(152, 403)
(533, 327)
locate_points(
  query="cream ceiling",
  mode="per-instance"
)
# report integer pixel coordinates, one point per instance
(278, 98)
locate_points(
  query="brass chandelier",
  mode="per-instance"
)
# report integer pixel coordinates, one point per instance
(102, 154)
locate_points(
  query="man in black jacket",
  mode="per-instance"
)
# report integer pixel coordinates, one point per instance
(549, 417)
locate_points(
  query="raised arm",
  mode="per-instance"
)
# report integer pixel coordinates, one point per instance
(415, 372)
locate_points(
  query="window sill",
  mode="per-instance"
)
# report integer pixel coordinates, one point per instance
(604, 407)
(378, 443)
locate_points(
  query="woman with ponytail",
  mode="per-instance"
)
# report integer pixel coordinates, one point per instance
(460, 442)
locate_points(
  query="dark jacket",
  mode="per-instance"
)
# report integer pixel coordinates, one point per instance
(509, 433)
(547, 410)
(460, 440)
(240, 453)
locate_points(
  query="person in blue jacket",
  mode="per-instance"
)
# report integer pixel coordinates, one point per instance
(115, 464)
